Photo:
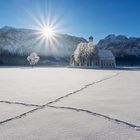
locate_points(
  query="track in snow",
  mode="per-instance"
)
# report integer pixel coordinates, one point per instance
(136, 127)
(38, 107)
(19, 103)
(81, 89)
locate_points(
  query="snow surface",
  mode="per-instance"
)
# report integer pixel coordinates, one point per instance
(84, 104)
(118, 97)
(53, 124)
(11, 110)
(42, 85)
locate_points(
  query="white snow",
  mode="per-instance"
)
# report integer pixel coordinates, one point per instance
(55, 124)
(42, 85)
(114, 94)
(118, 97)
(11, 110)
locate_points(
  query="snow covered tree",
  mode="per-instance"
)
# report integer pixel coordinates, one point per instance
(33, 59)
(83, 54)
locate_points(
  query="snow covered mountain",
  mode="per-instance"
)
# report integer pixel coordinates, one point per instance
(24, 41)
(120, 45)
(15, 43)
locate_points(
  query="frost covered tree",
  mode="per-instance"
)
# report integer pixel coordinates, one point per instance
(33, 59)
(83, 54)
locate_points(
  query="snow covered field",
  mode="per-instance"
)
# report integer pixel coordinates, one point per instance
(42, 85)
(11, 110)
(69, 104)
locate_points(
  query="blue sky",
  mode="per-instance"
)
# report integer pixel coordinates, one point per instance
(76, 17)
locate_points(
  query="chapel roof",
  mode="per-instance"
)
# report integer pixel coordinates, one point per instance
(105, 54)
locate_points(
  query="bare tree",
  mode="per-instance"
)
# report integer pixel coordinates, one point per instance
(33, 59)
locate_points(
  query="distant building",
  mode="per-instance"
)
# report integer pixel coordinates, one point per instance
(86, 54)
(106, 59)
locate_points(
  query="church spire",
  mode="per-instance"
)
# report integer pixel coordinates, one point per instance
(90, 39)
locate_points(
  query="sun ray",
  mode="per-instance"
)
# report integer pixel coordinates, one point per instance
(48, 28)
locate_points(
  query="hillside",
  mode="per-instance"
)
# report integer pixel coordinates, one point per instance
(18, 43)
(126, 50)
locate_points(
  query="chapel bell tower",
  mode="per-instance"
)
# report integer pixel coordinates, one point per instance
(90, 39)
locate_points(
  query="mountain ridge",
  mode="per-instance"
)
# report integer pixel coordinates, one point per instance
(121, 45)
(17, 43)
(24, 41)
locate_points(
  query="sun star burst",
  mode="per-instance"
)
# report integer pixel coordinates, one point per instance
(48, 32)
(48, 28)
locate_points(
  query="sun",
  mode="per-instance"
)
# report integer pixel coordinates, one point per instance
(48, 32)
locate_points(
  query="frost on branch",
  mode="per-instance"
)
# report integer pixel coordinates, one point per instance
(33, 59)
(83, 54)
